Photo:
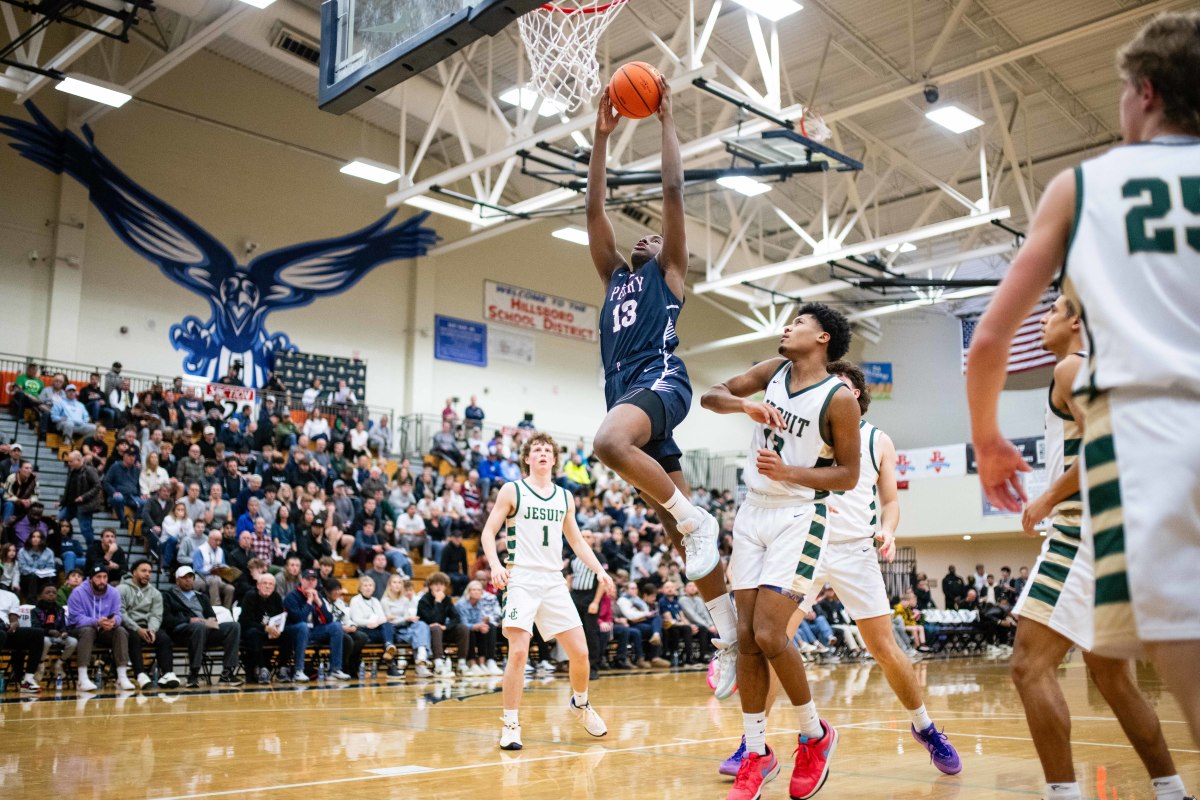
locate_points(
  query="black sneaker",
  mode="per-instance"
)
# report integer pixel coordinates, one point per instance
(264, 675)
(193, 682)
(283, 675)
(229, 679)
(594, 674)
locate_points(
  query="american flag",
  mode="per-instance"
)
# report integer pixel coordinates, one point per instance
(1026, 351)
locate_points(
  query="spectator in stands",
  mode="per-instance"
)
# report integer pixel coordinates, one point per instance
(283, 532)
(208, 443)
(379, 438)
(241, 556)
(189, 618)
(35, 561)
(645, 562)
(142, 617)
(343, 395)
(120, 403)
(454, 562)
(153, 475)
(999, 625)
(695, 613)
(411, 529)
(70, 416)
(400, 605)
(207, 563)
(831, 607)
(979, 579)
(952, 587)
(311, 541)
(26, 643)
(32, 521)
(968, 602)
(479, 657)
(353, 640)
(82, 495)
(316, 427)
(245, 522)
(259, 607)
(924, 596)
(473, 415)
(379, 572)
(48, 398)
(190, 407)
(436, 609)
(10, 570)
(910, 615)
(48, 615)
(359, 439)
(678, 633)
(630, 651)
(194, 505)
(94, 613)
(306, 607)
(219, 509)
(261, 542)
(189, 545)
(286, 432)
(191, 469)
(112, 378)
(121, 485)
(1018, 583)
(445, 446)
(813, 633)
(311, 395)
(156, 510)
(20, 491)
(367, 614)
(26, 388)
(95, 447)
(67, 547)
(106, 554)
(643, 621)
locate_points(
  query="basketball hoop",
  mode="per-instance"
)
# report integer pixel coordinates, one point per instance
(813, 126)
(561, 42)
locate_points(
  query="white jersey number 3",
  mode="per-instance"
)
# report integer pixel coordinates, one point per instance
(624, 315)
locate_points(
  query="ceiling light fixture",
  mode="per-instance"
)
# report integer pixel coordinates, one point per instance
(744, 184)
(527, 98)
(258, 3)
(454, 212)
(94, 90)
(571, 234)
(773, 10)
(906, 247)
(953, 118)
(371, 171)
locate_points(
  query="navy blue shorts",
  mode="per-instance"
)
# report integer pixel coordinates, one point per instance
(653, 385)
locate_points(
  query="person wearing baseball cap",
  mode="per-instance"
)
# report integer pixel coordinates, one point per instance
(307, 606)
(70, 416)
(189, 618)
(94, 610)
(112, 378)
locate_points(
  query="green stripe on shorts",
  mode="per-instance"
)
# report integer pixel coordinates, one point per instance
(1044, 593)
(1110, 542)
(1099, 452)
(1055, 572)
(1064, 549)
(1104, 498)
(1112, 589)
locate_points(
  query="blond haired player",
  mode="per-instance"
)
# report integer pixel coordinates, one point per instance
(536, 515)
(1127, 227)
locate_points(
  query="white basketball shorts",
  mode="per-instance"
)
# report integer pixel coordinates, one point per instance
(539, 597)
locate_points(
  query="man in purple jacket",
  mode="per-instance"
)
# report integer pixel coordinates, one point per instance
(94, 614)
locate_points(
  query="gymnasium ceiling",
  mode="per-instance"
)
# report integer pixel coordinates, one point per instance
(1039, 74)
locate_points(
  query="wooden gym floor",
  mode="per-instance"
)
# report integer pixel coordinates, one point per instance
(438, 740)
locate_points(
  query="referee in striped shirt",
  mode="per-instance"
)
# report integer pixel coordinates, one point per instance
(586, 592)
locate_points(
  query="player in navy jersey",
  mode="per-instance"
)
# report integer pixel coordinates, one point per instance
(646, 385)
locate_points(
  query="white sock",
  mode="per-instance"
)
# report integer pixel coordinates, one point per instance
(83, 676)
(920, 717)
(510, 716)
(1063, 791)
(122, 673)
(756, 732)
(724, 617)
(1168, 788)
(680, 507)
(29, 678)
(810, 723)
(580, 698)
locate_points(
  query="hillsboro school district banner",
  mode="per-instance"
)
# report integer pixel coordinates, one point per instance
(536, 311)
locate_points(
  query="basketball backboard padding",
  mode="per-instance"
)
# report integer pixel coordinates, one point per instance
(783, 146)
(365, 54)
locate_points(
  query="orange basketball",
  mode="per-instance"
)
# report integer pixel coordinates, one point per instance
(634, 90)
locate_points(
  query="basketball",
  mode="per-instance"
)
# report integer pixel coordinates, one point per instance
(634, 90)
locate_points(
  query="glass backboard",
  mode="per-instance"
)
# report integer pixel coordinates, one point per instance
(369, 46)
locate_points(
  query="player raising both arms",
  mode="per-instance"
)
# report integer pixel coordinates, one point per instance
(1125, 229)
(536, 515)
(646, 385)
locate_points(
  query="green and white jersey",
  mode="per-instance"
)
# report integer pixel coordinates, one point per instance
(855, 514)
(1133, 264)
(1063, 440)
(801, 442)
(535, 528)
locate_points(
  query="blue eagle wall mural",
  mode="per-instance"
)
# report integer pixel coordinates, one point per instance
(240, 296)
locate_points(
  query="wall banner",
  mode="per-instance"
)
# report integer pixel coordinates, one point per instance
(536, 311)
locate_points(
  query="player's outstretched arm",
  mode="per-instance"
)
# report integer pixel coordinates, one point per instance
(730, 397)
(505, 503)
(580, 548)
(889, 497)
(1066, 484)
(602, 242)
(843, 418)
(1030, 274)
(674, 257)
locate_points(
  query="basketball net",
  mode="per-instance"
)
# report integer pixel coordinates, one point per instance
(561, 43)
(813, 126)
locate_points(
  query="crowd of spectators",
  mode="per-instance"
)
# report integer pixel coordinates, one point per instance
(251, 514)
